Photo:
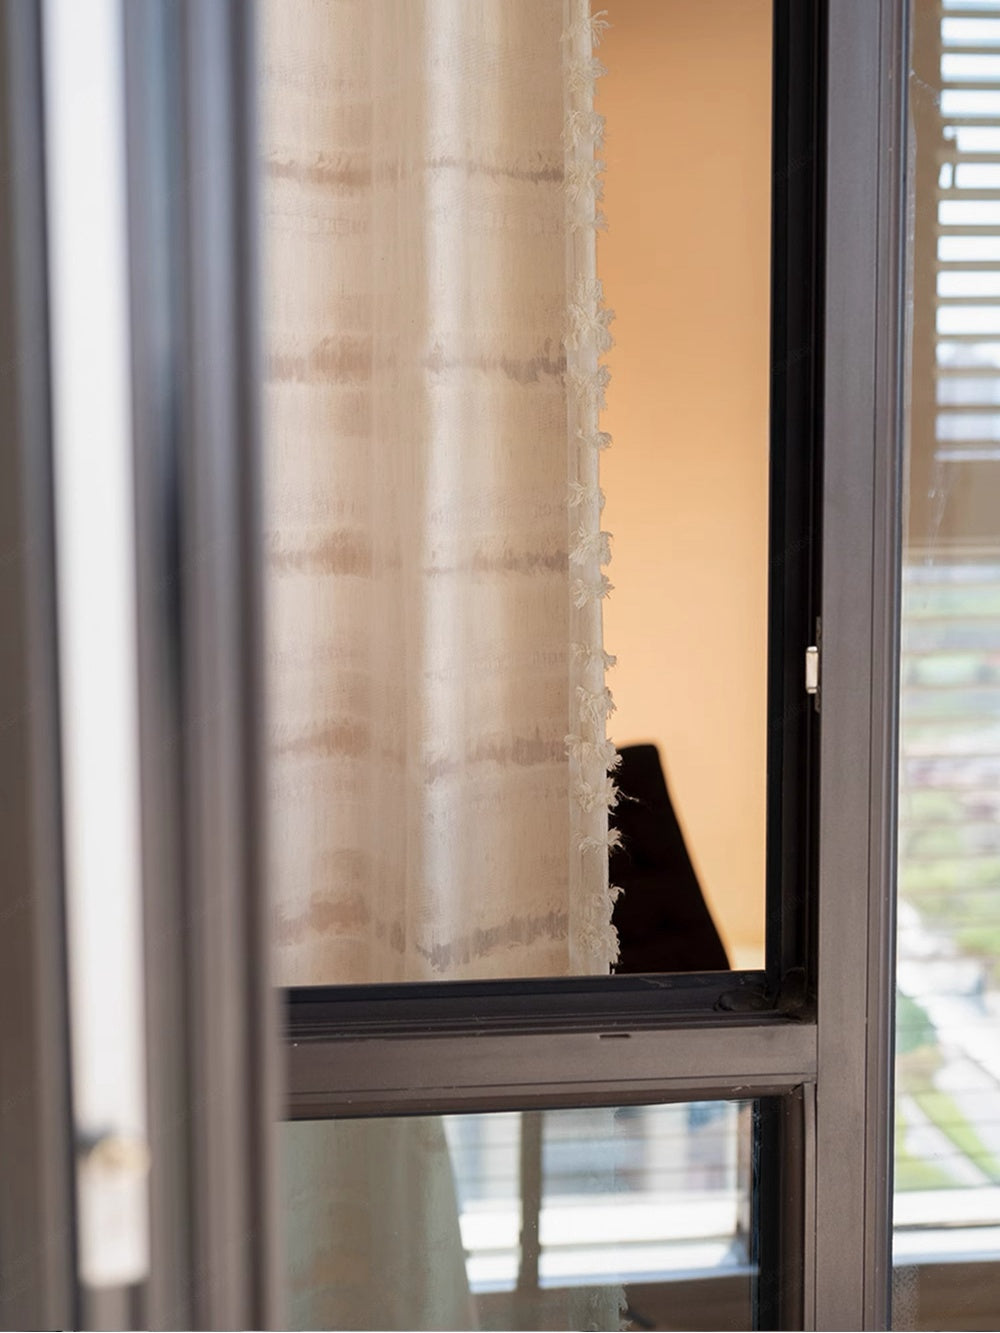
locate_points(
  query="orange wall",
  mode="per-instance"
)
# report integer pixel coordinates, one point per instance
(686, 267)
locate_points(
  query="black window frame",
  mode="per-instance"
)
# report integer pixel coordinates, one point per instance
(785, 987)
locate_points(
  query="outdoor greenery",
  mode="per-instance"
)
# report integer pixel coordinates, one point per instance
(949, 862)
(942, 1109)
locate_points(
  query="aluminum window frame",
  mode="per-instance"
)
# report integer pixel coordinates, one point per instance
(813, 1029)
(817, 1025)
(862, 520)
(212, 1021)
(37, 1243)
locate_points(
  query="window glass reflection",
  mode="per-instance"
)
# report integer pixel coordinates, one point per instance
(636, 1217)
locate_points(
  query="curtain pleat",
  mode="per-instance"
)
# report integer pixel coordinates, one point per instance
(439, 760)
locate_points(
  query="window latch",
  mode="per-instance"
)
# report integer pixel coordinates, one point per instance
(812, 672)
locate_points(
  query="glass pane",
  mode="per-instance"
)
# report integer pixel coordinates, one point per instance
(632, 1218)
(947, 1194)
(441, 386)
(686, 265)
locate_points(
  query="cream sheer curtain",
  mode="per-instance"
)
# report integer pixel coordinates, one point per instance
(439, 758)
(434, 326)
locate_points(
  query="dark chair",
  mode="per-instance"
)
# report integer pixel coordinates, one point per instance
(662, 920)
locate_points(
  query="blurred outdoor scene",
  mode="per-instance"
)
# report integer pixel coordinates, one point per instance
(947, 1202)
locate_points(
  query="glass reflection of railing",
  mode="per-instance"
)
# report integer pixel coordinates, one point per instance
(637, 1194)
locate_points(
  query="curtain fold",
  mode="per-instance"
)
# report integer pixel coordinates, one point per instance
(439, 760)
(373, 1238)
(434, 326)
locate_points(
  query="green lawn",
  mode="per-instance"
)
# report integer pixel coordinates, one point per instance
(913, 1173)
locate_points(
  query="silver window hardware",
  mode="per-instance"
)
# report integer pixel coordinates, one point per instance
(812, 671)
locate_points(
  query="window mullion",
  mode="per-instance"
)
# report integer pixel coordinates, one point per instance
(861, 551)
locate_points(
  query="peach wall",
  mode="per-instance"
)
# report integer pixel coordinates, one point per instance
(686, 266)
